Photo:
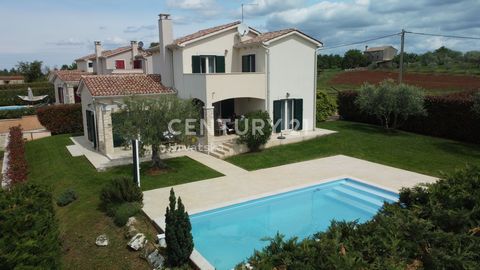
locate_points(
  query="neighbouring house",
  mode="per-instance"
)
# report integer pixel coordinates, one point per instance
(229, 69)
(65, 83)
(127, 59)
(11, 79)
(101, 96)
(380, 55)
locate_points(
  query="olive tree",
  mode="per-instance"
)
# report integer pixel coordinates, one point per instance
(157, 121)
(391, 103)
(255, 130)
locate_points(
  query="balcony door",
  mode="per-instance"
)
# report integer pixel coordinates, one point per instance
(208, 64)
(288, 114)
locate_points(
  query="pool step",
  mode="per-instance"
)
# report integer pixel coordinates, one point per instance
(353, 203)
(389, 196)
(362, 198)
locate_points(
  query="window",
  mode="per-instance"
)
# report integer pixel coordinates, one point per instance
(248, 63)
(90, 64)
(208, 64)
(119, 64)
(137, 64)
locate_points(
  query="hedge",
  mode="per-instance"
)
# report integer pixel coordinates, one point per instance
(29, 237)
(10, 114)
(17, 164)
(449, 116)
(9, 93)
(60, 119)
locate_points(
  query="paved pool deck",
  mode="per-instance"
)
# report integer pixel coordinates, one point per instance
(239, 185)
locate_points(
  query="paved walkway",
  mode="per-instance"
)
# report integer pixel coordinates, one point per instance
(219, 165)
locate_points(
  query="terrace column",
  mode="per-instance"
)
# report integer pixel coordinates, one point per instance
(70, 95)
(105, 131)
(209, 130)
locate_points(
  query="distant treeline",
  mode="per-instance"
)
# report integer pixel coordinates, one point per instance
(441, 57)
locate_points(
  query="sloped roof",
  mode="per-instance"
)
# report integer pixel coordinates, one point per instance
(268, 36)
(380, 48)
(11, 78)
(70, 75)
(108, 53)
(204, 32)
(125, 84)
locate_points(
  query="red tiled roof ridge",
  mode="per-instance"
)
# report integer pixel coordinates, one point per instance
(204, 32)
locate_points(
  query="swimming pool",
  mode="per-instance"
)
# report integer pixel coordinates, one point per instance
(13, 107)
(228, 235)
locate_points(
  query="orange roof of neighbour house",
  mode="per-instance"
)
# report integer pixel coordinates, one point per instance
(108, 53)
(381, 48)
(125, 84)
(11, 78)
(268, 36)
(70, 75)
(204, 32)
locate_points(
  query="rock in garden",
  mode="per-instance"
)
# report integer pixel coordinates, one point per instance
(131, 221)
(155, 259)
(161, 240)
(130, 232)
(137, 242)
(102, 240)
(148, 248)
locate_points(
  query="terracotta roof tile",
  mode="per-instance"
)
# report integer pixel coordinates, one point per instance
(268, 36)
(70, 75)
(125, 84)
(203, 32)
(11, 77)
(108, 53)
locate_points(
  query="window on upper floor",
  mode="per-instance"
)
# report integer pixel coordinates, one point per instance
(208, 64)
(137, 64)
(248, 63)
(90, 64)
(119, 64)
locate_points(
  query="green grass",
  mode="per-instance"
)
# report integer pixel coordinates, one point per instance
(403, 150)
(81, 222)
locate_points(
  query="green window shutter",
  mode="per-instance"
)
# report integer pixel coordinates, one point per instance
(298, 112)
(195, 64)
(245, 63)
(219, 64)
(277, 114)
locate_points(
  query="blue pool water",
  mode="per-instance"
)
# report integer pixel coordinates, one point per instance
(14, 107)
(228, 235)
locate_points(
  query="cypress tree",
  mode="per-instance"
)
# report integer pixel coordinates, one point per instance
(178, 234)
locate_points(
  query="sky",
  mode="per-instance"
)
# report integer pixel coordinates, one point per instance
(59, 31)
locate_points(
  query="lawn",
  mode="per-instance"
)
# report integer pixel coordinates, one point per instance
(422, 154)
(81, 222)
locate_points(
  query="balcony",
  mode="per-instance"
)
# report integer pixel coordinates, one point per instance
(214, 87)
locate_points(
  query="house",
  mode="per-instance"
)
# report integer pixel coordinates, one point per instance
(126, 59)
(101, 95)
(229, 69)
(381, 54)
(11, 80)
(65, 83)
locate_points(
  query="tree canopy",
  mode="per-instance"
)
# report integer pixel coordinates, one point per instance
(32, 71)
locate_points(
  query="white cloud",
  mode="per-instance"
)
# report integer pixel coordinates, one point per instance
(136, 29)
(71, 42)
(191, 4)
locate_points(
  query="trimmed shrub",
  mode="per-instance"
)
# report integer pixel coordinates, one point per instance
(449, 116)
(67, 197)
(476, 104)
(10, 114)
(118, 191)
(60, 119)
(254, 139)
(17, 164)
(433, 226)
(326, 106)
(124, 211)
(29, 237)
(178, 233)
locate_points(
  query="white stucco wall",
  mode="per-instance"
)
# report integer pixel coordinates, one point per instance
(292, 70)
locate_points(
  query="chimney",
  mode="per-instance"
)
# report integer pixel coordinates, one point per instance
(134, 46)
(98, 49)
(165, 39)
